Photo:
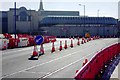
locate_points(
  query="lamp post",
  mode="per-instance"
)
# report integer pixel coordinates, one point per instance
(30, 21)
(98, 13)
(84, 18)
(15, 19)
(98, 22)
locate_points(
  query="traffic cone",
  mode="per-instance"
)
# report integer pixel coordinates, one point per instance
(34, 55)
(41, 52)
(82, 42)
(71, 45)
(60, 46)
(78, 43)
(90, 39)
(83, 38)
(65, 44)
(86, 60)
(83, 64)
(87, 40)
(53, 48)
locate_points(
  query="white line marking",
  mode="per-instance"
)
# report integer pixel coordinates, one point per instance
(50, 73)
(40, 64)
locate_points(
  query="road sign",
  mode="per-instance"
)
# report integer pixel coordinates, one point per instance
(39, 40)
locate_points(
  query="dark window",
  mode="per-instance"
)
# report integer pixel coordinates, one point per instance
(29, 18)
(17, 18)
(23, 16)
(4, 19)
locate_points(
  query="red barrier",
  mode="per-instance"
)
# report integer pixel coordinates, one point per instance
(93, 67)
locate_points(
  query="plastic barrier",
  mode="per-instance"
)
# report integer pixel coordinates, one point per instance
(3, 42)
(94, 66)
(13, 43)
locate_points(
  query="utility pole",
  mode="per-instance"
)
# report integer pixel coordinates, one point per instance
(15, 19)
(84, 18)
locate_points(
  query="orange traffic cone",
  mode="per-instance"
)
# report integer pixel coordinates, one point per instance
(41, 52)
(78, 43)
(34, 55)
(71, 45)
(87, 40)
(90, 39)
(65, 44)
(82, 42)
(83, 38)
(60, 46)
(53, 48)
(85, 62)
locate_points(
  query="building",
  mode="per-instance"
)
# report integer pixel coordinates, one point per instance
(57, 23)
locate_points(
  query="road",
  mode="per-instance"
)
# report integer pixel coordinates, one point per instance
(60, 64)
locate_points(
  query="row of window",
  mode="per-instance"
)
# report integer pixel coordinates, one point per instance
(81, 18)
(78, 20)
(23, 18)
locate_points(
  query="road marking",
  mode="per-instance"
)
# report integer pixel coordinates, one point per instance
(35, 72)
(40, 64)
(16, 50)
(51, 73)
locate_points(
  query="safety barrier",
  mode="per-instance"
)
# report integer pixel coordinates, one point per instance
(22, 40)
(94, 66)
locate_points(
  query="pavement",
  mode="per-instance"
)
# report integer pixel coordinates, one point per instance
(60, 64)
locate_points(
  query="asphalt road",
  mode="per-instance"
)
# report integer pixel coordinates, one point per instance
(60, 64)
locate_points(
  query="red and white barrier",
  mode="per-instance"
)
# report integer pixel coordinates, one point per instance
(93, 67)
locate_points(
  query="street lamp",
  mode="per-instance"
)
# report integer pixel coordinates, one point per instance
(84, 17)
(98, 13)
(83, 7)
(98, 22)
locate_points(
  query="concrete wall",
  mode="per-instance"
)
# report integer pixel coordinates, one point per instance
(80, 30)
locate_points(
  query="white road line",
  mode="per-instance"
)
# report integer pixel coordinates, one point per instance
(51, 73)
(16, 51)
(39, 64)
(35, 72)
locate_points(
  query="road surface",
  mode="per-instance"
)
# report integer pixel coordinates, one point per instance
(60, 64)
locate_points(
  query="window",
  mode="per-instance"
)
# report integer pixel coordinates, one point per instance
(29, 18)
(23, 16)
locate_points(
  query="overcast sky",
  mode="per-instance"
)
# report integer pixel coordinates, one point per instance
(107, 8)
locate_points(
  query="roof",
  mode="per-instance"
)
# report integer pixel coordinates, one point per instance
(78, 20)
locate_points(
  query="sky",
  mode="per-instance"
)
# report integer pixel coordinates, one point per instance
(107, 8)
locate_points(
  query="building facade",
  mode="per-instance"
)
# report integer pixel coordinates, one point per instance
(57, 23)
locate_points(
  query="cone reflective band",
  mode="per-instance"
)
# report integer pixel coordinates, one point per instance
(60, 46)
(71, 45)
(65, 44)
(53, 48)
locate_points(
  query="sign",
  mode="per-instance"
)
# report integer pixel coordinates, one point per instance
(39, 40)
